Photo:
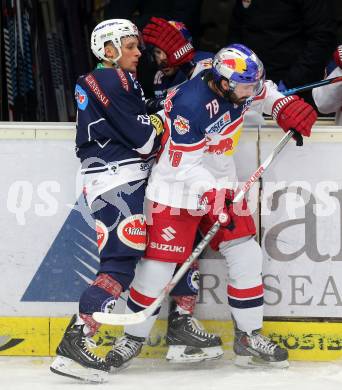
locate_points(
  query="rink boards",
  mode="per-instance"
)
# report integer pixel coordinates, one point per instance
(39, 336)
(49, 251)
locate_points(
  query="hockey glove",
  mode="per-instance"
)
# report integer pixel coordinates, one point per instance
(338, 56)
(214, 203)
(162, 34)
(291, 112)
(154, 105)
(157, 123)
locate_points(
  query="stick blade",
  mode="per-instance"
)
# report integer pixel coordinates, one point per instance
(119, 319)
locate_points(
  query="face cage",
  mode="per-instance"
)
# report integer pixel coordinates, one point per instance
(257, 89)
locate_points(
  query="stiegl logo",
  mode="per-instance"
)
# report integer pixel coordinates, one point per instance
(168, 233)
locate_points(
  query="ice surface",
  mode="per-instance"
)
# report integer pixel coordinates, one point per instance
(23, 373)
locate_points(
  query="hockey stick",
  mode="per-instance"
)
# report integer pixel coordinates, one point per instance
(316, 84)
(136, 318)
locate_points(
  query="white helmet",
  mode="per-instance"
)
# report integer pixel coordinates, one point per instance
(111, 30)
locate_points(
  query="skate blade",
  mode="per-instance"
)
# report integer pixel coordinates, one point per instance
(69, 368)
(114, 370)
(254, 362)
(184, 354)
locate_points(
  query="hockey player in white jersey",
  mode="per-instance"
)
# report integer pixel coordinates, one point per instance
(183, 331)
(328, 98)
(194, 182)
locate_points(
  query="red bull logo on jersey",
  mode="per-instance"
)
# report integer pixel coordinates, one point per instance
(132, 231)
(222, 147)
(181, 125)
(236, 64)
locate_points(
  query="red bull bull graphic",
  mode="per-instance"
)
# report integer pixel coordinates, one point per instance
(181, 125)
(222, 147)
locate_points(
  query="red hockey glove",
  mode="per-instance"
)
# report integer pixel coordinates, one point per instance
(338, 56)
(214, 202)
(291, 112)
(162, 34)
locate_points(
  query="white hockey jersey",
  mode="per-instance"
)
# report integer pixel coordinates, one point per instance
(202, 133)
(329, 97)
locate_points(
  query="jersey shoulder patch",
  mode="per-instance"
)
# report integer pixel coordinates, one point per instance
(123, 79)
(95, 88)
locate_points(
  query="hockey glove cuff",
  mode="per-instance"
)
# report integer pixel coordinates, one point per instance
(154, 105)
(338, 56)
(214, 203)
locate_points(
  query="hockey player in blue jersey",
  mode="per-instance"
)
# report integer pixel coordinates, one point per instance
(194, 182)
(171, 72)
(116, 142)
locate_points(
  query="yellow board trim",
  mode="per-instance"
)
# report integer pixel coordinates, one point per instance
(40, 336)
(24, 336)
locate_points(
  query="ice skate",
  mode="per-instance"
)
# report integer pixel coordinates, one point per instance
(255, 350)
(188, 342)
(74, 359)
(124, 350)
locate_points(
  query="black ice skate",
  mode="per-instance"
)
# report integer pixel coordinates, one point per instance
(253, 350)
(188, 342)
(74, 359)
(124, 350)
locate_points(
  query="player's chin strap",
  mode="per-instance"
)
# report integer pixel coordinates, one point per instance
(141, 316)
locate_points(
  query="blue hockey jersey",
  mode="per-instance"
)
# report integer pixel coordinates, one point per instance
(115, 139)
(112, 124)
(163, 83)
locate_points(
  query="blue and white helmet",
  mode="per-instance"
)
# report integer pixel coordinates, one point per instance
(111, 30)
(238, 64)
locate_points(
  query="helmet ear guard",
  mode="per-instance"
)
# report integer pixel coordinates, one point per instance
(112, 30)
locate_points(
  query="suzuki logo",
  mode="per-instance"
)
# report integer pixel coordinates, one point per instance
(168, 233)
